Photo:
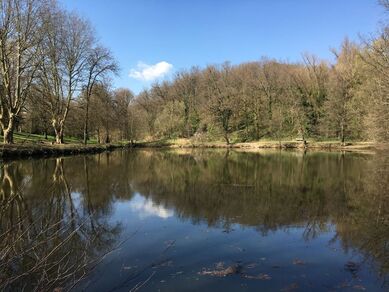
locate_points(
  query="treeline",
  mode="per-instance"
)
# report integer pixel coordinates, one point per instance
(55, 78)
(278, 100)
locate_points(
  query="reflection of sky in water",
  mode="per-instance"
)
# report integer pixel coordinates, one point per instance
(146, 208)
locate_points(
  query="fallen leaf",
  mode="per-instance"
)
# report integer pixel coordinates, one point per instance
(258, 277)
(298, 262)
(231, 270)
(251, 266)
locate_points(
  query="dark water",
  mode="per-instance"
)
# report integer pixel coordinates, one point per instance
(179, 221)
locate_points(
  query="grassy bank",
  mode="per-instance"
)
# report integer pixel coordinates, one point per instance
(27, 138)
(263, 144)
(32, 145)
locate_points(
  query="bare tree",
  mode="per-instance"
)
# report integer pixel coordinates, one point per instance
(67, 50)
(20, 37)
(221, 92)
(122, 98)
(385, 4)
(339, 108)
(100, 62)
(375, 56)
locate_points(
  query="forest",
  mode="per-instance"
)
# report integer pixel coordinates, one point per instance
(56, 79)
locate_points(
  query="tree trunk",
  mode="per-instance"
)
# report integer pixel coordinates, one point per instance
(107, 139)
(86, 121)
(8, 132)
(342, 133)
(58, 129)
(8, 136)
(303, 137)
(58, 137)
(98, 136)
(227, 139)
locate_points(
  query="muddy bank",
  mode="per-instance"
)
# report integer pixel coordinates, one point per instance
(336, 146)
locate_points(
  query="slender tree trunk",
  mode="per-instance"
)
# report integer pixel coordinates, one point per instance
(86, 121)
(186, 117)
(303, 137)
(342, 133)
(226, 138)
(107, 139)
(98, 136)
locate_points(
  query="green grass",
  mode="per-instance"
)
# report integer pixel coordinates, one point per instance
(37, 140)
(27, 138)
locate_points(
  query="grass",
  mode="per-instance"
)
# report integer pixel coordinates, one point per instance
(23, 138)
(36, 139)
(29, 145)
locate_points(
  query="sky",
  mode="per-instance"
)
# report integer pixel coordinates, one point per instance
(152, 39)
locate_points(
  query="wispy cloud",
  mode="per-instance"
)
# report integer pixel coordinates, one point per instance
(145, 72)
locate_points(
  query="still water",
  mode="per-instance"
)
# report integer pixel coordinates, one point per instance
(208, 220)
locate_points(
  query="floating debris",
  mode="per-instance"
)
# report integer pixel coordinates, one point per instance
(251, 266)
(298, 262)
(258, 277)
(231, 270)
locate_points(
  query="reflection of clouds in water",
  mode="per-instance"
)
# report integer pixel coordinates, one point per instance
(146, 207)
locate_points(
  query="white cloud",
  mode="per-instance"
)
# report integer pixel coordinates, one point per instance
(146, 208)
(145, 72)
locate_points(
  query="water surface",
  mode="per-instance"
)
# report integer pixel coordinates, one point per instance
(196, 220)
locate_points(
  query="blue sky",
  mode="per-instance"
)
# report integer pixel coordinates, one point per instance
(151, 39)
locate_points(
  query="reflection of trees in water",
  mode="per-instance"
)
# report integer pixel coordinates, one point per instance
(47, 239)
(366, 227)
(264, 191)
(271, 192)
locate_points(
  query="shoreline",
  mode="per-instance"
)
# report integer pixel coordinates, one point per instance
(16, 151)
(329, 145)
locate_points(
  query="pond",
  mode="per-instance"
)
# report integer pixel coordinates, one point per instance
(189, 220)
